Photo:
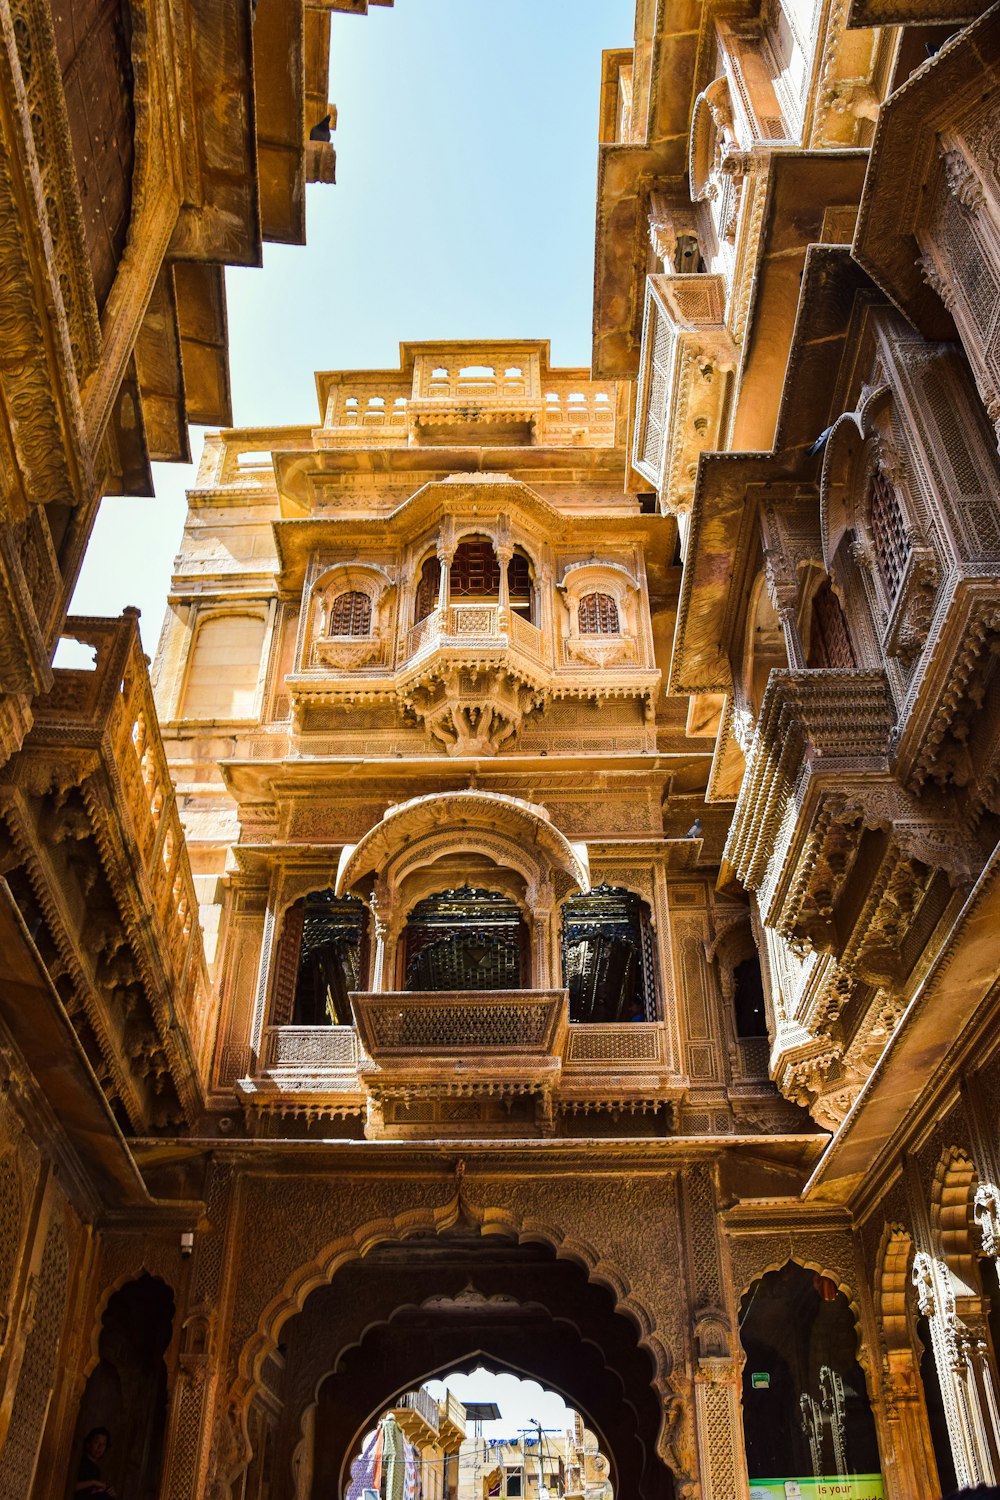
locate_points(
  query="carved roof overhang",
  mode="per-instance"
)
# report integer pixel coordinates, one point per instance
(832, 300)
(321, 476)
(802, 186)
(460, 816)
(947, 1027)
(912, 13)
(903, 158)
(626, 175)
(51, 1049)
(476, 499)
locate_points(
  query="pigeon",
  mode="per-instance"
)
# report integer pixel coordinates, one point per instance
(321, 130)
(820, 442)
(694, 832)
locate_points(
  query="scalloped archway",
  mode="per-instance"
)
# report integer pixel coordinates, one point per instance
(462, 1235)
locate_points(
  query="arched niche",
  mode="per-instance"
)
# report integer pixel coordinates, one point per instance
(806, 1412)
(609, 956)
(126, 1389)
(446, 840)
(764, 646)
(322, 956)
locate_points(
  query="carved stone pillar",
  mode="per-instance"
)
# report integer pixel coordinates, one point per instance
(187, 1459)
(717, 1387)
(385, 925)
(908, 1460)
(965, 1375)
(444, 556)
(788, 615)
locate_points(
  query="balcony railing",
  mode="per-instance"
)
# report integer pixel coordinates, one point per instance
(460, 626)
(406, 1024)
(417, 1414)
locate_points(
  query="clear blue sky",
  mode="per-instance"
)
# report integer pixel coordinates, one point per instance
(464, 207)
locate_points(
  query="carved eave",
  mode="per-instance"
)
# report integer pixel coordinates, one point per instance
(722, 531)
(308, 481)
(949, 1024)
(892, 13)
(903, 160)
(626, 175)
(81, 1118)
(91, 814)
(802, 186)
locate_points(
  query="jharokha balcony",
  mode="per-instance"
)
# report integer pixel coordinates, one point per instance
(447, 1004)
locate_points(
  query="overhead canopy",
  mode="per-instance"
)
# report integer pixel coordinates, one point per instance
(510, 830)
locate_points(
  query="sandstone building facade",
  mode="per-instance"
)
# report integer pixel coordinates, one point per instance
(548, 913)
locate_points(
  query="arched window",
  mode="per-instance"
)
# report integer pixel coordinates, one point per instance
(608, 956)
(321, 959)
(465, 939)
(224, 668)
(829, 638)
(351, 614)
(428, 589)
(888, 528)
(598, 615)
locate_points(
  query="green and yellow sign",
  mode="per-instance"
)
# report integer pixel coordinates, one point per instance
(855, 1487)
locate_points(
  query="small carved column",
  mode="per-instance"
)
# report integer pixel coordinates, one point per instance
(444, 556)
(385, 924)
(783, 589)
(964, 1375)
(541, 903)
(504, 555)
(788, 615)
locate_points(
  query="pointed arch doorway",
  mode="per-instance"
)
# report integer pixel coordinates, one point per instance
(416, 1309)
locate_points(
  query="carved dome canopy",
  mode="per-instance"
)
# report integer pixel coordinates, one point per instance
(508, 830)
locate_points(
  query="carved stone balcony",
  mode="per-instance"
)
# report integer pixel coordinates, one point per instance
(480, 1063)
(471, 673)
(418, 1416)
(493, 1042)
(104, 879)
(306, 1068)
(684, 381)
(851, 872)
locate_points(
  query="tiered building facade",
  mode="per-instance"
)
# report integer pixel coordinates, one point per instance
(548, 917)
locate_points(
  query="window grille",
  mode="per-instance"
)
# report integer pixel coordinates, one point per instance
(829, 638)
(892, 546)
(351, 614)
(474, 571)
(598, 615)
